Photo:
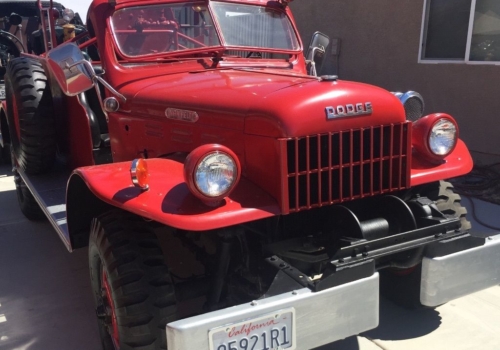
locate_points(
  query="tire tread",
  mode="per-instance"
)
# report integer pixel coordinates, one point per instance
(126, 244)
(27, 83)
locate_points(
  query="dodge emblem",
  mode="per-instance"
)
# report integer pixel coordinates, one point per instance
(349, 110)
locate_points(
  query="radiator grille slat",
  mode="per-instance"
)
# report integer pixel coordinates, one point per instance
(330, 168)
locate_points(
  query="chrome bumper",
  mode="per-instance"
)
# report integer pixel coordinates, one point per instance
(321, 317)
(455, 275)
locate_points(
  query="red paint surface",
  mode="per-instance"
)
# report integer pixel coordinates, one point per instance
(458, 163)
(169, 200)
(78, 136)
(252, 111)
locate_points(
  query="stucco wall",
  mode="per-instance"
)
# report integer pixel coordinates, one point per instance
(379, 45)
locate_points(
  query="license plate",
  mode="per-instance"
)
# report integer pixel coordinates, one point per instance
(275, 331)
(2, 92)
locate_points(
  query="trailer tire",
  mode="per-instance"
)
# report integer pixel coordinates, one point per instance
(30, 115)
(27, 202)
(403, 286)
(131, 283)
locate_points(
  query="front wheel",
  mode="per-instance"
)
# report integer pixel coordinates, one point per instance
(402, 286)
(132, 286)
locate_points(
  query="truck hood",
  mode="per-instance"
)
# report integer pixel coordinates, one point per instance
(263, 102)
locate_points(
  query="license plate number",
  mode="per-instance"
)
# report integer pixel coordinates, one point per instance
(2, 92)
(274, 331)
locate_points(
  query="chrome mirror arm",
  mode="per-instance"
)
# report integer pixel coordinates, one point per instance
(95, 78)
(320, 49)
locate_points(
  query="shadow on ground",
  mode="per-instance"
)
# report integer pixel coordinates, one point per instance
(397, 323)
(350, 343)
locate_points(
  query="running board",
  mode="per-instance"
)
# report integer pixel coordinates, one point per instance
(49, 191)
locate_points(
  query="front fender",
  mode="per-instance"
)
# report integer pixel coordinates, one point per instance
(168, 199)
(458, 163)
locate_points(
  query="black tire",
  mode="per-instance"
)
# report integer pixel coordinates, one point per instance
(27, 203)
(125, 249)
(447, 201)
(30, 115)
(4, 155)
(403, 286)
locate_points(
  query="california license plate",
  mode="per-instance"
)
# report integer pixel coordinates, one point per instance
(275, 331)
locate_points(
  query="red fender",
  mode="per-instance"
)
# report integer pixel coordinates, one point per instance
(168, 199)
(457, 163)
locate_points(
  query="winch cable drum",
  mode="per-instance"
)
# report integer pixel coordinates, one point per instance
(391, 216)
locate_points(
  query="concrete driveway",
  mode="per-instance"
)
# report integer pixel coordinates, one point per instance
(46, 304)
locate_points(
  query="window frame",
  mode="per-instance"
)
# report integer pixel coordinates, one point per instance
(465, 60)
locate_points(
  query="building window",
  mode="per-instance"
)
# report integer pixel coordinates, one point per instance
(461, 31)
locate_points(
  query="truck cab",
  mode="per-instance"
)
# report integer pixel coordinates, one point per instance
(229, 197)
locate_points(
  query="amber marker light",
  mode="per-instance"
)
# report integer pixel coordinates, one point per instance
(139, 173)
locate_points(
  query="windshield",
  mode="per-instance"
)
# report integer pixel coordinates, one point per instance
(255, 26)
(155, 29)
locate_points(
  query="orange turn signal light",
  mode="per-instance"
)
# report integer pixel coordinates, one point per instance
(139, 173)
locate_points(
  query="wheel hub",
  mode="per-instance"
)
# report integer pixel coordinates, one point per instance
(105, 311)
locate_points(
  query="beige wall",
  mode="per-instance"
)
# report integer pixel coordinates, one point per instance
(379, 45)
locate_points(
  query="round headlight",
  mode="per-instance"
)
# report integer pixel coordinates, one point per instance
(434, 136)
(211, 172)
(443, 137)
(215, 174)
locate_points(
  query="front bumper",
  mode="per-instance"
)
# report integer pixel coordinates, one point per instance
(449, 270)
(321, 317)
(451, 276)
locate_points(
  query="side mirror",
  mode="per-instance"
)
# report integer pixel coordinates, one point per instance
(317, 52)
(73, 73)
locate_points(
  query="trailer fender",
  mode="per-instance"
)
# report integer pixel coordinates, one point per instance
(93, 189)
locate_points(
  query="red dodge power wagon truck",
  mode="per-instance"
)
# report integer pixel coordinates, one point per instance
(230, 199)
